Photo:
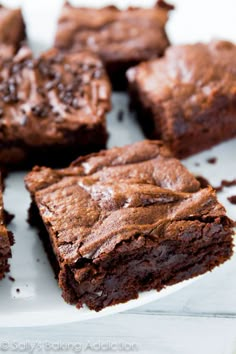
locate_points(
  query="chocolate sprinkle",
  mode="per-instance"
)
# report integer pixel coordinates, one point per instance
(40, 110)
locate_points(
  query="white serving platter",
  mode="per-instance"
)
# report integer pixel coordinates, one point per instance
(34, 298)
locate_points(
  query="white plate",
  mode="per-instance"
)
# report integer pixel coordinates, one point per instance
(39, 301)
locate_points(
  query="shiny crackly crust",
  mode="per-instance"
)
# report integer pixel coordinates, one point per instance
(104, 198)
(121, 37)
(189, 95)
(52, 101)
(127, 220)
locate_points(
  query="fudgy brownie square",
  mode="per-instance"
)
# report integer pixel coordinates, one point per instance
(188, 97)
(53, 108)
(127, 220)
(12, 30)
(6, 237)
(122, 38)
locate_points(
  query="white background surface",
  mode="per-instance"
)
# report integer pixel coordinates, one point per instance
(197, 319)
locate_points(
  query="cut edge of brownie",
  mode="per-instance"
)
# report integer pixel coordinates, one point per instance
(16, 156)
(169, 263)
(153, 121)
(187, 144)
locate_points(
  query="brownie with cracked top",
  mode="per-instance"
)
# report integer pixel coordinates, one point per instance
(187, 98)
(53, 108)
(127, 220)
(6, 237)
(12, 31)
(122, 38)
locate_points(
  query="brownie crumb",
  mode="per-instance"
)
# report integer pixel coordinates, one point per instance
(17, 290)
(232, 199)
(212, 160)
(120, 115)
(11, 278)
(225, 183)
(165, 5)
(204, 183)
(218, 189)
(8, 217)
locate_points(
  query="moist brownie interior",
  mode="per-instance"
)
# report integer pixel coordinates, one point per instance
(188, 97)
(127, 220)
(122, 38)
(52, 109)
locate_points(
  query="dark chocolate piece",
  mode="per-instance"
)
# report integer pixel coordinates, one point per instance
(127, 220)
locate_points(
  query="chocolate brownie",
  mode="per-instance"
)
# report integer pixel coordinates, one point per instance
(127, 220)
(6, 238)
(188, 98)
(121, 38)
(12, 30)
(52, 108)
